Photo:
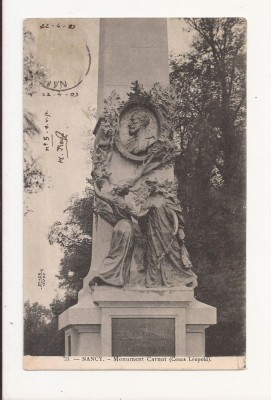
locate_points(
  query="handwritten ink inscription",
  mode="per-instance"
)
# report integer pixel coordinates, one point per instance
(58, 25)
(62, 146)
(41, 278)
(143, 337)
(46, 139)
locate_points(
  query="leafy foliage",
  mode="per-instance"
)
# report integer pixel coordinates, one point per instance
(211, 126)
(33, 72)
(34, 177)
(150, 186)
(74, 237)
(41, 337)
(164, 150)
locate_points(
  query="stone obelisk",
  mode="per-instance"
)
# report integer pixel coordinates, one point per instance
(131, 49)
(132, 321)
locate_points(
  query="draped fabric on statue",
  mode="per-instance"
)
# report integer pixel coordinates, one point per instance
(166, 260)
(115, 268)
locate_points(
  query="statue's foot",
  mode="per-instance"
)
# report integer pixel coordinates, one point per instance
(95, 282)
(98, 281)
(193, 284)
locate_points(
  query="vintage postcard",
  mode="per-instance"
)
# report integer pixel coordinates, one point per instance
(134, 193)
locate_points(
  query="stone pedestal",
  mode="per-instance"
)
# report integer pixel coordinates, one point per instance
(136, 322)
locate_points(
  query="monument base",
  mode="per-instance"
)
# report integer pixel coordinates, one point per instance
(108, 321)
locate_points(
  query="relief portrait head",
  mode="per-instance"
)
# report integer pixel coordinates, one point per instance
(138, 130)
(138, 121)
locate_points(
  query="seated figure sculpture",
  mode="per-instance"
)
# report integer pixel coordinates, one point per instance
(161, 223)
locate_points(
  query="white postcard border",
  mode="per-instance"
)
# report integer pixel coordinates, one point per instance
(252, 383)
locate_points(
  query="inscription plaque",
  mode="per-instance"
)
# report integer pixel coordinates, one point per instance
(143, 337)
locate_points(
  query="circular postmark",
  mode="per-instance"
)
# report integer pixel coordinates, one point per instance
(65, 59)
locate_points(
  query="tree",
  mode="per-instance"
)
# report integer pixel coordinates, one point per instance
(34, 176)
(34, 73)
(41, 337)
(211, 86)
(74, 237)
(41, 334)
(211, 83)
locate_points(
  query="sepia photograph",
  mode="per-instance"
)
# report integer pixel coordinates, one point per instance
(136, 201)
(134, 193)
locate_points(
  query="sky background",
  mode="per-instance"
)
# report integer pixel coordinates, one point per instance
(62, 52)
